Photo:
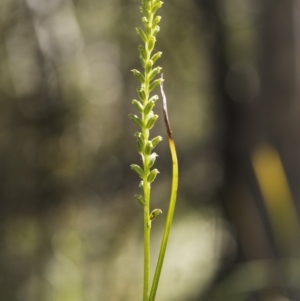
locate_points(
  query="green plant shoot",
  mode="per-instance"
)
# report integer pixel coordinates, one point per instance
(145, 120)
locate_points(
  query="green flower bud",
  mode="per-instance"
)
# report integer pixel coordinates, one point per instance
(142, 34)
(154, 98)
(137, 134)
(151, 43)
(138, 75)
(140, 144)
(151, 122)
(154, 72)
(137, 169)
(156, 140)
(157, 6)
(155, 83)
(156, 56)
(148, 148)
(152, 159)
(149, 66)
(140, 199)
(149, 107)
(141, 93)
(138, 105)
(145, 20)
(152, 175)
(136, 119)
(154, 214)
(143, 53)
(156, 21)
(156, 30)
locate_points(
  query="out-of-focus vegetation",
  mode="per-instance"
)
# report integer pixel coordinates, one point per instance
(70, 229)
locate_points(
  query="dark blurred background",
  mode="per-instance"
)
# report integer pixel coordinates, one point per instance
(70, 228)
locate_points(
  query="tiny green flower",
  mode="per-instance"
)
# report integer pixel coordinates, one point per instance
(154, 72)
(151, 122)
(156, 21)
(152, 159)
(140, 199)
(156, 30)
(154, 98)
(138, 105)
(155, 213)
(156, 140)
(136, 119)
(140, 145)
(157, 6)
(141, 93)
(148, 148)
(149, 66)
(151, 43)
(140, 141)
(152, 175)
(155, 84)
(137, 169)
(138, 75)
(149, 107)
(156, 56)
(143, 53)
(142, 34)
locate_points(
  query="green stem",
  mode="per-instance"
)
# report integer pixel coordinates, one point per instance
(171, 204)
(147, 190)
(146, 244)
